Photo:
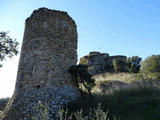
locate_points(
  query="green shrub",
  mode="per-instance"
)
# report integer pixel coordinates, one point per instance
(94, 114)
(8, 47)
(119, 65)
(133, 64)
(151, 66)
(81, 76)
(63, 114)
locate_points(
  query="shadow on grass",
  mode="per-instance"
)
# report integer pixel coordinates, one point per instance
(134, 104)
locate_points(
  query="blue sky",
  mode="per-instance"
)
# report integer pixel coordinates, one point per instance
(123, 27)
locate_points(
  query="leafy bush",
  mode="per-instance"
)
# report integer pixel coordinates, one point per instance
(8, 46)
(81, 75)
(133, 64)
(119, 65)
(151, 66)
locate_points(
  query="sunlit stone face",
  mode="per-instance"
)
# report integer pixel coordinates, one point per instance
(49, 49)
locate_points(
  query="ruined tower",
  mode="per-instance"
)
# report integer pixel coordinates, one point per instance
(49, 49)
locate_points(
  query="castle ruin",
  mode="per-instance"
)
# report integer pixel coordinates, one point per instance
(49, 49)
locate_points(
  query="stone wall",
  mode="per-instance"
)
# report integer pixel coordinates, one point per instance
(49, 49)
(100, 62)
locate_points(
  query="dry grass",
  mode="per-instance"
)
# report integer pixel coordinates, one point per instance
(124, 77)
(107, 83)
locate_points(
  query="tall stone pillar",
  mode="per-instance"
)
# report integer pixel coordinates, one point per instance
(49, 49)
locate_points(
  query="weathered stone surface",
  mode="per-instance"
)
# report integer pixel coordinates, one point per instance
(49, 49)
(96, 61)
(100, 62)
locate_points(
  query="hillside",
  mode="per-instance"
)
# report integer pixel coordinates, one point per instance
(115, 96)
(124, 96)
(109, 82)
(118, 96)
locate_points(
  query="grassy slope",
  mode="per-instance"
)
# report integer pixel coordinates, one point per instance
(126, 104)
(124, 77)
(108, 82)
(135, 104)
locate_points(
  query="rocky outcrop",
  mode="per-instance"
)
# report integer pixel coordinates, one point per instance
(49, 49)
(100, 62)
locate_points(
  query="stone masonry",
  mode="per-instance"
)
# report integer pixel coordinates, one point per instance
(100, 62)
(49, 49)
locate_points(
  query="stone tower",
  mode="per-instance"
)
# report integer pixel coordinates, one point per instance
(49, 49)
